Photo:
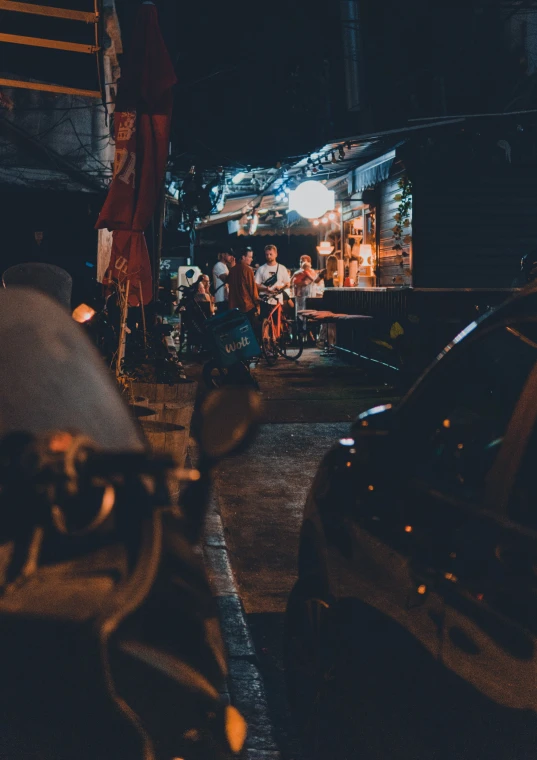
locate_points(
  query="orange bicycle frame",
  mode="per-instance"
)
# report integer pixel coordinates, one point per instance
(277, 322)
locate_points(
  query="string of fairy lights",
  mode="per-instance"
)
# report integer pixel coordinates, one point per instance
(279, 181)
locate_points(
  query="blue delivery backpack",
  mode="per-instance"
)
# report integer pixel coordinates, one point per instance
(232, 337)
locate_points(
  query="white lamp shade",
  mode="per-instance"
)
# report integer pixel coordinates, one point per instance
(254, 224)
(312, 199)
(325, 248)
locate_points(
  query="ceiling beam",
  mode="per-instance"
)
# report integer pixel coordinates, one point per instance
(74, 47)
(43, 10)
(44, 87)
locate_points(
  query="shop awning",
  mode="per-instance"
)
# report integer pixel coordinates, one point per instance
(372, 173)
(237, 207)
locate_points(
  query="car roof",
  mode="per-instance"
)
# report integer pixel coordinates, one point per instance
(523, 302)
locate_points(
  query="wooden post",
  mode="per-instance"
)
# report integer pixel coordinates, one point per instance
(122, 331)
(161, 211)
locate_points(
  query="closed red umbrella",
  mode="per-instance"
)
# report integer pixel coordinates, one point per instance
(142, 133)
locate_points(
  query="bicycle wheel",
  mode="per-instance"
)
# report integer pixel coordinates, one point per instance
(268, 344)
(291, 343)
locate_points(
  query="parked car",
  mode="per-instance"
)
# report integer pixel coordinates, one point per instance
(412, 629)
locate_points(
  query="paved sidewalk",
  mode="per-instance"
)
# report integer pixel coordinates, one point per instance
(165, 414)
(246, 686)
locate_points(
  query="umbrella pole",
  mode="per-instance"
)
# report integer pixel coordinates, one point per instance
(143, 315)
(122, 331)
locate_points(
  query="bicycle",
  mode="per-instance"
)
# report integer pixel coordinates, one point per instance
(199, 331)
(280, 335)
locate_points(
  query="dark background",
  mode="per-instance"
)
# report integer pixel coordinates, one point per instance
(261, 83)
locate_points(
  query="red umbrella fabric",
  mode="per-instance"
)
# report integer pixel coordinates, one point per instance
(142, 132)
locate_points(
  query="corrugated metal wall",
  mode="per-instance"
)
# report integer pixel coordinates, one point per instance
(394, 268)
(472, 226)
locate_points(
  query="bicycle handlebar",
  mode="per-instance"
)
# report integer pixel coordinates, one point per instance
(265, 296)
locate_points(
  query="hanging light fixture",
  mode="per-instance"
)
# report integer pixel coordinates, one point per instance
(311, 199)
(254, 223)
(325, 248)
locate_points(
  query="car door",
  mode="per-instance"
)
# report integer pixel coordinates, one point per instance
(480, 561)
(379, 569)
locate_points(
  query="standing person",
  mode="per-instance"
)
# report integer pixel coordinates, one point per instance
(303, 258)
(243, 293)
(327, 274)
(327, 334)
(272, 277)
(203, 293)
(303, 282)
(220, 275)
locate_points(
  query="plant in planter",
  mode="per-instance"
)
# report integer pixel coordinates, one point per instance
(401, 236)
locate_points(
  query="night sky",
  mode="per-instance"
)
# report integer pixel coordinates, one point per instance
(256, 82)
(259, 83)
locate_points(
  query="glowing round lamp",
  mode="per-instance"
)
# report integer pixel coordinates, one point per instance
(325, 248)
(312, 199)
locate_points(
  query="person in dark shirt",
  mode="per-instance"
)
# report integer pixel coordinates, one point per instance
(243, 294)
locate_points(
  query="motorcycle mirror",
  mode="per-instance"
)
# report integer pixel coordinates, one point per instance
(228, 417)
(189, 274)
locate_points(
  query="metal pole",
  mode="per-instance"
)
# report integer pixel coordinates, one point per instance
(352, 53)
(342, 251)
(122, 331)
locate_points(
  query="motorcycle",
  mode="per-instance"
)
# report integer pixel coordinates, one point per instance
(110, 646)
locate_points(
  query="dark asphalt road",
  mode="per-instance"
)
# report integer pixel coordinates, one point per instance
(261, 493)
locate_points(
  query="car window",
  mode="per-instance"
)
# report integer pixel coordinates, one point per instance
(470, 407)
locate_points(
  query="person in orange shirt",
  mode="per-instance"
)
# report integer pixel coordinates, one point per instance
(243, 293)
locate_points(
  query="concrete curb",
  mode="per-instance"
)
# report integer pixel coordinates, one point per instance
(245, 683)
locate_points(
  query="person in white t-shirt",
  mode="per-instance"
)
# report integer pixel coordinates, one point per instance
(272, 271)
(220, 274)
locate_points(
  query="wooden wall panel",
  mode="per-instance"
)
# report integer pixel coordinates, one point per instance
(395, 267)
(473, 227)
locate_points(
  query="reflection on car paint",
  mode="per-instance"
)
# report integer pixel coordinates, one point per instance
(457, 339)
(374, 410)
